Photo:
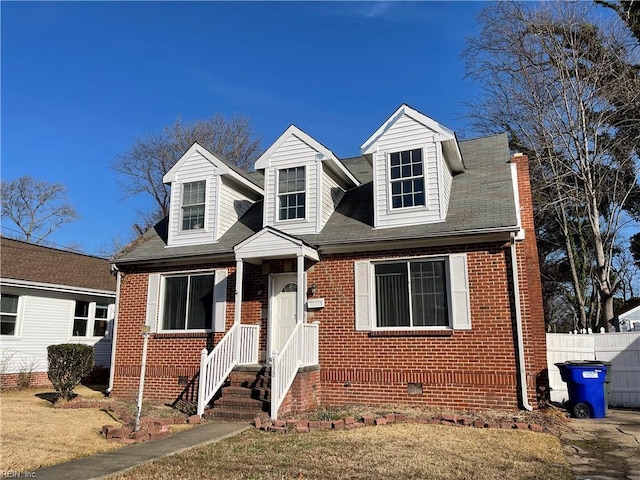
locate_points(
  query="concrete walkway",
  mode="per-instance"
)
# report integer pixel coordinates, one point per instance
(605, 448)
(98, 466)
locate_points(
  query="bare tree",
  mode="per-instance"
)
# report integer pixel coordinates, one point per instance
(554, 81)
(142, 167)
(37, 208)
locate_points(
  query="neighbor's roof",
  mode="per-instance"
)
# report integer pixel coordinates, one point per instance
(37, 263)
(482, 198)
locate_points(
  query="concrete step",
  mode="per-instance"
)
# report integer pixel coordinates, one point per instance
(229, 414)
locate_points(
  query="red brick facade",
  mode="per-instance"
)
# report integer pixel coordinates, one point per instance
(474, 368)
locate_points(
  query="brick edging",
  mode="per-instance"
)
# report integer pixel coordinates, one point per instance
(304, 425)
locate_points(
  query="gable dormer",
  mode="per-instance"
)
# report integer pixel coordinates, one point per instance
(208, 195)
(413, 160)
(303, 183)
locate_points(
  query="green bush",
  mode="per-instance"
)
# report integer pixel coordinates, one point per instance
(69, 363)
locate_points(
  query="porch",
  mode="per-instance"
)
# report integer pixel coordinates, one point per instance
(291, 342)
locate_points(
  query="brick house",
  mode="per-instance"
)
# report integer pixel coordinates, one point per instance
(406, 275)
(47, 297)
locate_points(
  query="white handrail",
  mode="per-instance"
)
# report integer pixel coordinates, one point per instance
(238, 346)
(300, 349)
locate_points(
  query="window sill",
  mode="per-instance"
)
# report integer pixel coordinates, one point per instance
(410, 333)
(182, 334)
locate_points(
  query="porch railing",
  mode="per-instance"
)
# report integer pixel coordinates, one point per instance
(300, 350)
(238, 346)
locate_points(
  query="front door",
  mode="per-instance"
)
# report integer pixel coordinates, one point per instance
(283, 309)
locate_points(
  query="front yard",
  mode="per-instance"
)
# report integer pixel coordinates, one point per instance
(407, 451)
(35, 434)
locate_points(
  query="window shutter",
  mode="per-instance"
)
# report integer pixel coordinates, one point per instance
(153, 294)
(460, 292)
(362, 271)
(220, 300)
(111, 314)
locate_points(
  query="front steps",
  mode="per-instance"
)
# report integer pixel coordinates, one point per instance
(245, 395)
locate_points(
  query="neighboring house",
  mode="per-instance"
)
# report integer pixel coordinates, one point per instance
(629, 318)
(48, 297)
(384, 278)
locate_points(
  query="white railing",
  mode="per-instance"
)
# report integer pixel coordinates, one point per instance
(300, 350)
(238, 346)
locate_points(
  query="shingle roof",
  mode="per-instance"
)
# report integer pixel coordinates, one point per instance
(481, 198)
(37, 263)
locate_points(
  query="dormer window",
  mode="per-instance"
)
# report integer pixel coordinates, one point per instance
(291, 193)
(407, 179)
(193, 205)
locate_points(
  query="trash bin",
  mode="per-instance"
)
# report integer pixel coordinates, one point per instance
(586, 384)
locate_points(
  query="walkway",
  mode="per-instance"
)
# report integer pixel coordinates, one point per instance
(98, 466)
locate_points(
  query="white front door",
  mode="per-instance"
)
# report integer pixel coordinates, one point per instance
(283, 309)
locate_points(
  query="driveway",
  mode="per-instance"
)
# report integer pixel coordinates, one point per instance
(605, 448)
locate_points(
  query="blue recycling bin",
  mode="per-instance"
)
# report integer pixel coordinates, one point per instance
(585, 382)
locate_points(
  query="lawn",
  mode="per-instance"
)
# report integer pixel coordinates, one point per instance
(34, 434)
(407, 451)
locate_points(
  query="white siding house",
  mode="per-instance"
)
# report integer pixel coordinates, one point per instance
(49, 297)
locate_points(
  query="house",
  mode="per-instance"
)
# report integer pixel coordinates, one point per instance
(406, 275)
(48, 297)
(629, 318)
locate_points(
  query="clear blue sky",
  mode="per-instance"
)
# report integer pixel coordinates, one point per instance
(82, 80)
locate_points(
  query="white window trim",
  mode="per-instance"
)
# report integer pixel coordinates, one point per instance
(19, 316)
(387, 159)
(160, 319)
(91, 319)
(458, 301)
(407, 260)
(305, 219)
(205, 227)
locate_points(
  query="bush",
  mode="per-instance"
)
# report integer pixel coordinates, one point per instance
(69, 363)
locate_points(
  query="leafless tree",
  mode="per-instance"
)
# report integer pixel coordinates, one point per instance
(557, 82)
(37, 208)
(142, 167)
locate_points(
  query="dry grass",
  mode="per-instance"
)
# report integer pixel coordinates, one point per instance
(407, 451)
(34, 434)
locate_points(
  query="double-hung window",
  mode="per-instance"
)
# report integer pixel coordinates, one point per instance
(407, 179)
(291, 193)
(193, 205)
(90, 319)
(411, 294)
(188, 302)
(8, 314)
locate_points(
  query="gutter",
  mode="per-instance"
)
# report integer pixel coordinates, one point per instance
(516, 297)
(114, 329)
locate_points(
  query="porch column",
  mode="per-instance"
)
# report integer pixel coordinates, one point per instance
(238, 297)
(302, 291)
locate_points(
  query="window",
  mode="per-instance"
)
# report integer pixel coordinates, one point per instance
(81, 319)
(407, 179)
(8, 314)
(188, 302)
(90, 319)
(291, 193)
(193, 203)
(411, 294)
(100, 320)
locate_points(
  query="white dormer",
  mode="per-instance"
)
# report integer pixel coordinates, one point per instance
(414, 159)
(303, 183)
(207, 197)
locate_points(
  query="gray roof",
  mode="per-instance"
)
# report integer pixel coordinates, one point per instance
(482, 198)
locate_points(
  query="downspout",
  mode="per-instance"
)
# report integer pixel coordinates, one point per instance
(516, 298)
(114, 329)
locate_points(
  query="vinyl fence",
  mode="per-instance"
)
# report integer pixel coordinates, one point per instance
(621, 349)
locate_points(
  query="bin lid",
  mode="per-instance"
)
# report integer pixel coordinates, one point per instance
(586, 363)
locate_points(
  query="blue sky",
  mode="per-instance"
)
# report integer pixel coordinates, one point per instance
(82, 80)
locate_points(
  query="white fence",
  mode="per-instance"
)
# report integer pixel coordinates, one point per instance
(621, 349)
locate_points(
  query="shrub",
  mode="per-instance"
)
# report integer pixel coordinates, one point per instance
(68, 364)
(25, 372)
